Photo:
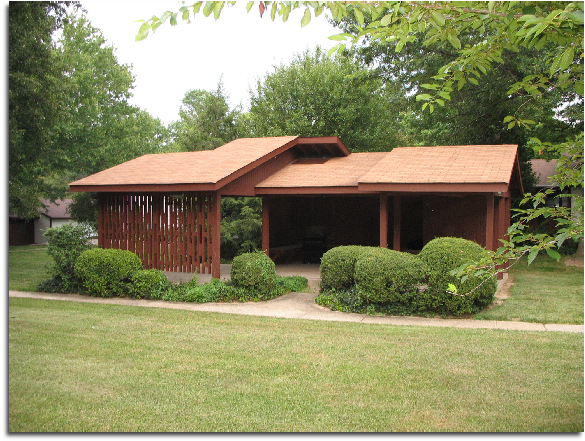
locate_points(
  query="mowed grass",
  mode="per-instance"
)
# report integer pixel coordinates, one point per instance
(91, 367)
(546, 291)
(27, 267)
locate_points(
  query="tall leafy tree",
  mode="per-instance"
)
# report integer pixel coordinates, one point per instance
(206, 120)
(35, 103)
(101, 128)
(316, 95)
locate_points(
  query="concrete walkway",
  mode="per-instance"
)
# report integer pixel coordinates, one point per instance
(303, 306)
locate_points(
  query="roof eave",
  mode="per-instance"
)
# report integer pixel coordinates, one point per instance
(453, 187)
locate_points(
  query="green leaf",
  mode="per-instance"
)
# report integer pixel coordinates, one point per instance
(249, 6)
(532, 255)
(423, 97)
(386, 20)
(508, 118)
(452, 288)
(359, 16)
(553, 254)
(439, 18)
(306, 18)
(579, 87)
(567, 58)
(339, 37)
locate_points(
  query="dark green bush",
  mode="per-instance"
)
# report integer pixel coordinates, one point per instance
(64, 245)
(384, 275)
(148, 284)
(107, 272)
(338, 266)
(443, 254)
(256, 273)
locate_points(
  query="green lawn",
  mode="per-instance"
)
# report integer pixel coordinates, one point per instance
(544, 292)
(91, 367)
(27, 267)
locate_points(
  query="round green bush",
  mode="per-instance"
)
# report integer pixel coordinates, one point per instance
(255, 272)
(107, 272)
(384, 275)
(149, 284)
(444, 254)
(338, 266)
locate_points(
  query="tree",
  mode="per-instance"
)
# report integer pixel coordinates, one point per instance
(320, 96)
(35, 103)
(553, 29)
(206, 121)
(101, 128)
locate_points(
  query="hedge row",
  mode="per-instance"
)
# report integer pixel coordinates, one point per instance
(368, 279)
(118, 273)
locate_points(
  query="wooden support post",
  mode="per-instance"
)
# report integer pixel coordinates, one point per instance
(489, 222)
(397, 218)
(101, 213)
(384, 221)
(266, 225)
(216, 237)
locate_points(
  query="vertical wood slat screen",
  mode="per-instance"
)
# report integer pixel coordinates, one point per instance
(170, 233)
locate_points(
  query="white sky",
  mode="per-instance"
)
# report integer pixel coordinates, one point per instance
(240, 46)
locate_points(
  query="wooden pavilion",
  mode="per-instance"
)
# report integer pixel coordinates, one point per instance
(166, 207)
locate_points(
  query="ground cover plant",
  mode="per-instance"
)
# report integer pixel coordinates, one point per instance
(92, 367)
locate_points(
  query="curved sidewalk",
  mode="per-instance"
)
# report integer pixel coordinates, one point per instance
(303, 306)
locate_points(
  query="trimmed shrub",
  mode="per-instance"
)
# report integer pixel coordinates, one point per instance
(256, 273)
(338, 266)
(65, 244)
(444, 254)
(383, 275)
(107, 272)
(148, 284)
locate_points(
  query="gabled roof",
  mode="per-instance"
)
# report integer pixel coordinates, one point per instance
(314, 175)
(56, 210)
(478, 167)
(202, 170)
(544, 170)
(315, 165)
(483, 168)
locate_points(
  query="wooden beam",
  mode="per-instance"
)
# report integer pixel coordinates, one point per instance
(266, 225)
(216, 238)
(397, 218)
(489, 222)
(384, 221)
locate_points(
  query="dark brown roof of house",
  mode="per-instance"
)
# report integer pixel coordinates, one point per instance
(56, 210)
(544, 170)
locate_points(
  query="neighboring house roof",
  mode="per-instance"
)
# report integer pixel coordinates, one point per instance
(56, 210)
(544, 170)
(320, 164)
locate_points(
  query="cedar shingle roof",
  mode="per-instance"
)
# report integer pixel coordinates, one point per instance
(484, 168)
(331, 172)
(203, 167)
(479, 164)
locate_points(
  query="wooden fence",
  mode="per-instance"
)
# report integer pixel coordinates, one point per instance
(167, 232)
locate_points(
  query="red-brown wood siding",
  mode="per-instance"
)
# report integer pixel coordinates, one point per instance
(170, 233)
